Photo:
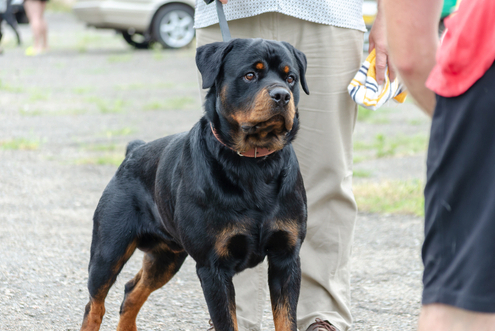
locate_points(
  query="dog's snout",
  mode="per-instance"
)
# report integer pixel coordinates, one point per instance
(280, 95)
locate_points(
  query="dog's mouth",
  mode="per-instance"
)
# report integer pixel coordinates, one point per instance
(276, 124)
(270, 134)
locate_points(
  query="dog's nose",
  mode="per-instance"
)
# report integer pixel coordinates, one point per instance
(280, 95)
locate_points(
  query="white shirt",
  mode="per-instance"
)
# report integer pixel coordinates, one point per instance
(340, 13)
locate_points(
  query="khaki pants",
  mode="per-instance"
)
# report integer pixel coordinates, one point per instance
(324, 150)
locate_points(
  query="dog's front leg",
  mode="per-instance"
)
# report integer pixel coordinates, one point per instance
(284, 280)
(219, 293)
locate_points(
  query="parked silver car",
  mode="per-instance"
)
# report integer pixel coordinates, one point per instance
(142, 22)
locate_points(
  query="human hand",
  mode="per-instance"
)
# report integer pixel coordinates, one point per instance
(378, 41)
(223, 1)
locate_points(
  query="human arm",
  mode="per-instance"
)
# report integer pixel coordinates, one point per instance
(378, 41)
(412, 34)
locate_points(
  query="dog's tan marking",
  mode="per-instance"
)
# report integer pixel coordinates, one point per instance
(233, 315)
(260, 66)
(223, 94)
(223, 239)
(145, 282)
(286, 69)
(263, 115)
(281, 317)
(95, 309)
(127, 255)
(93, 316)
(290, 227)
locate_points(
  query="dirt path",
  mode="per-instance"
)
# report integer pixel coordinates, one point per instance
(65, 118)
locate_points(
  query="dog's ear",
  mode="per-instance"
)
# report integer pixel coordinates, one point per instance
(209, 59)
(302, 64)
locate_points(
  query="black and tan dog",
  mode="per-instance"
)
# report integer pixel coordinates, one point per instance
(228, 193)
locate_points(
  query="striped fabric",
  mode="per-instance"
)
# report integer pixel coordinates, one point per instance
(365, 91)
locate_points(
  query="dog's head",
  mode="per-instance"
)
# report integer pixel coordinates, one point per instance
(254, 91)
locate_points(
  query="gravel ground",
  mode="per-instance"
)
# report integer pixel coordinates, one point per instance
(67, 116)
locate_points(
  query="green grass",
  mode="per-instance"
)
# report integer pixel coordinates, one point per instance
(109, 159)
(103, 154)
(384, 146)
(364, 114)
(176, 103)
(101, 147)
(415, 122)
(373, 117)
(119, 132)
(20, 144)
(82, 90)
(361, 173)
(9, 88)
(119, 58)
(58, 6)
(129, 87)
(107, 107)
(391, 197)
(39, 96)
(37, 112)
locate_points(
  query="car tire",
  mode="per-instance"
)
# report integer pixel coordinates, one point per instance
(141, 43)
(173, 26)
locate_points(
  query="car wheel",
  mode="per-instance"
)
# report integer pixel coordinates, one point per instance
(173, 26)
(136, 40)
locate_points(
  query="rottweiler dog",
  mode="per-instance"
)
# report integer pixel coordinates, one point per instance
(228, 192)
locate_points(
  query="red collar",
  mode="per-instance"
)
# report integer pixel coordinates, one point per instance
(253, 152)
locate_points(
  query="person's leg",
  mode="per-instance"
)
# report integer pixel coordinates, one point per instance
(440, 317)
(35, 13)
(324, 150)
(459, 265)
(43, 27)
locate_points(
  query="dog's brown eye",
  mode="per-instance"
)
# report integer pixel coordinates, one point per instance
(290, 79)
(249, 76)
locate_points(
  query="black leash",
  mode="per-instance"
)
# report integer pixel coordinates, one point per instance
(224, 27)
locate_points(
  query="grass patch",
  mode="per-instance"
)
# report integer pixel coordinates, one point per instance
(101, 147)
(39, 96)
(372, 116)
(110, 159)
(129, 87)
(82, 90)
(119, 132)
(391, 197)
(383, 146)
(107, 107)
(361, 173)
(9, 88)
(358, 158)
(20, 144)
(58, 6)
(119, 58)
(364, 114)
(177, 103)
(415, 122)
(155, 105)
(37, 112)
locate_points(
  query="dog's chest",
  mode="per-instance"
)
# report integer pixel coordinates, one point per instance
(247, 243)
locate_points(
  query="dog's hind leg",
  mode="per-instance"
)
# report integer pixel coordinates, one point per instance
(159, 266)
(220, 296)
(107, 259)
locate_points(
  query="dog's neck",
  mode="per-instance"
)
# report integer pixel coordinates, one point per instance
(253, 152)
